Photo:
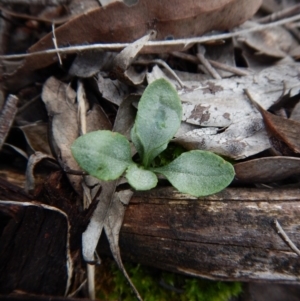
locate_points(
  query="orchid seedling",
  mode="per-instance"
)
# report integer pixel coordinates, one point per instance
(106, 155)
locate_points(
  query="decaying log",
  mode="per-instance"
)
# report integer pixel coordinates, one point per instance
(40, 239)
(228, 236)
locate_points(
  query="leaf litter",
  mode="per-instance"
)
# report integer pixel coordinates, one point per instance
(102, 87)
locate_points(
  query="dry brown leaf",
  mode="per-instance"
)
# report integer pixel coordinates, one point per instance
(36, 135)
(295, 115)
(241, 139)
(264, 170)
(118, 22)
(34, 159)
(125, 58)
(7, 116)
(59, 99)
(126, 115)
(222, 53)
(274, 42)
(285, 131)
(112, 227)
(89, 63)
(112, 90)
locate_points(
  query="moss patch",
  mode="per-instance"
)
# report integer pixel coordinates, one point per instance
(155, 285)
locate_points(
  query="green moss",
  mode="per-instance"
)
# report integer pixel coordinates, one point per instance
(155, 285)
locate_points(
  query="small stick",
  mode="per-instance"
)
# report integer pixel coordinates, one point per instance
(30, 17)
(74, 172)
(286, 239)
(290, 11)
(164, 64)
(55, 43)
(78, 289)
(228, 68)
(166, 43)
(193, 59)
(206, 63)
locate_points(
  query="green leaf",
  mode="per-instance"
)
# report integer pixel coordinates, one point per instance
(103, 154)
(198, 173)
(136, 141)
(141, 179)
(157, 121)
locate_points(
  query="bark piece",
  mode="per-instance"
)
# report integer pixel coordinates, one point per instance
(227, 236)
(35, 242)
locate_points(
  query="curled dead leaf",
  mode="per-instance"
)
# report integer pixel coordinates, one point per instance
(264, 170)
(285, 131)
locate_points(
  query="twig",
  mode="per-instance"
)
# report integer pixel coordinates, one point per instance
(78, 289)
(36, 2)
(91, 281)
(286, 239)
(165, 43)
(55, 43)
(280, 14)
(193, 59)
(186, 56)
(228, 68)
(30, 17)
(67, 170)
(206, 63)
(81, 99)
(165, 65)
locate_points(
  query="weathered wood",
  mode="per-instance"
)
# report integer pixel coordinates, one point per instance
(33, 246)
(40, 239)
(228, 236)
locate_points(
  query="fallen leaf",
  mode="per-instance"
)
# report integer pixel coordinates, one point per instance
(223, 53)
(125, 58)
(32, 162)
(221, 102)
(36, 135)
(171, 19)
(91, 235)
(112, 227)
(89, 63)
(126, 116)
(285, 130)
(295, 115)
(59, 99)
(112, 90)
(241, 139)
(264, 170)
(274, 42)
(7, 116)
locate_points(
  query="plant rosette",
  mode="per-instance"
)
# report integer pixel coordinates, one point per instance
(106, 155)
